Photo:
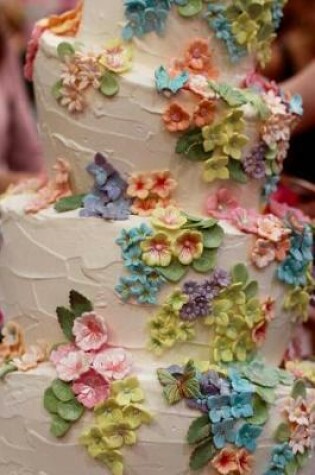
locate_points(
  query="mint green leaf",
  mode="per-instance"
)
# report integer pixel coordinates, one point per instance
(79, 304)
(69, 204)
(59, 427)
(191, 145)
(285, 378)
(50, 401)
(199, 430)
(62, 391)
(258, 373)
(237, 172)
(299, 389)
(206, 262)
(267, 394)
(302, 459)
(212, 238)
(283, 433)
(56, 90)
(192, 8)
(291, 468)
(202, 455)
(65, 49)
(70, 411)
(174, 272)
(261, 414)
(240, 274)
(251, 289)
(66, 320)
(208, 223)
(232, 96)
(7, 368)
(109, 84)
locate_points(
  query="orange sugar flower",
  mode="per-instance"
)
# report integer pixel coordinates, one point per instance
(144, 207)
(245, 462)
(282, 248)
(197, 55)
(225, 462)
(163, 183)
(66, 24)
(140, 185)
(176, 118)
(204, 113)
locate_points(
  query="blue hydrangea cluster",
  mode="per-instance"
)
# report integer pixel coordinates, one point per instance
(254, 162)
(107, 199)
(218, 21)
(143, 282)
(145, 16)
(201, 294)
(277, 13)
(293, 270)
(270, 186)
(282, 455)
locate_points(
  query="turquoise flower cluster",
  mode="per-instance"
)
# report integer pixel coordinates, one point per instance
(293, 270)
(282, 455)
(145, 16)
(143, 282)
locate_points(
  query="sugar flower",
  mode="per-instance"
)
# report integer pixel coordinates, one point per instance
(301, 439)
(225, 462)
(244, 219)
(268, 308)
(188, 246)
(259, 333)
(299, 410)
(113, 364)
(168, 218)
(176, 118)
(72, 98)
(198, 57)
(199, 85)
(91, 389)
(216, 168)
(220, 204)
(139, 185)
(270, 227)
(247, 435)
(90, 331)
(34, 354)
(61, 352)
(73, 365)
(263, 253)
(116, 56)
(245, 462)
(144, 207)
(274, 103)
(163, 183)
(204, 113)
(13, 342)
(157, 250)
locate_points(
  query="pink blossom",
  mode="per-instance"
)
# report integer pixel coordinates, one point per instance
(220, 204)
(259, 333)
(113, 364)
(270, 227)
(73, 365)
(244, 219)
(91, 389)
(31, 51)
(61, 352)
(263, 253)
(90, 331)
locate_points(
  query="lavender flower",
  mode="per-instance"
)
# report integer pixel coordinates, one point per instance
(254, 164)
(221, 278)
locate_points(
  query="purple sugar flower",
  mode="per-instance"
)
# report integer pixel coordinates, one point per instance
(190, 287)
(254, 164)
(221, 278)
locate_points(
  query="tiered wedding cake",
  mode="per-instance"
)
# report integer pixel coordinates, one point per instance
(182, 294)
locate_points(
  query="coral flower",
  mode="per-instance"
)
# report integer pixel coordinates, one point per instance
(140, 185)
(188, 246)
(245, 462)
(270, 227)
(168, 218)
(282, 248)
(263, 253)
(113, 364)
(176, 118)
(220, 204)
(268, 308)
(157, 250)
(163, 183)
(91, 389)
(34, 355)
(204, 113)
(198, 56)
(90, 331)
(225, 462)
(145, 207)
(259, 333)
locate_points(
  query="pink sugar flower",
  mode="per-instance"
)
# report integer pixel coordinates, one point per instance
(270, 227)
(90, 331)
(282, 210)
(220, 204)
(263, 253)
(245, 462)
(268, 307)
(140, 185)
(73, 365)
(259, 333)
(61, 352)
(157, 250)
(244, 219)
(301, 439)
(225, 462)
(91, 389)
(163, 183)
(113, 364)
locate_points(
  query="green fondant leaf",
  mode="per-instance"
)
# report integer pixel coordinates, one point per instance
(251, 289)
(260, 374)
(202, 455)
(267, 394)
(208, 223)
(165, 377)
(260, 409)
(79, 304)
(56, 90)
(199, 430)
(291, 468)
(192, 8)
(191, 145)
(240, 274)
(65, 49)
(62, 391)
(174, 272)
(59, 427)
(69, 204)
(109, 85)
(232, 96)
(66, 320)
(206, 262)
(70, 411)
(283, 433)
(50, 401)
(302, 459)
(285, 378)
(236, 171)
(212, 238)
(299, 389)
(7, 368)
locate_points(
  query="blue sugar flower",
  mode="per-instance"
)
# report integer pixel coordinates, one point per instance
(270, 186)
(282, 455)
(124, 288)
(117, 210)
(219, 408)
(246, 437)
(277, 13)
(302, 245)
(275, 471)
(153, 277)
(292, 271)
(132, 257)
(211, 384)
(240, 384)
(144, 293)
(125, 240)
(296, 104)
(145, 16)
(141, 233)
(223, 432)
(242, 405)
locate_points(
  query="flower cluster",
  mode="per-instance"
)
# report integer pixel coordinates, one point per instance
(108, 196)
(234, 405)
(150, 191)
(83, 71)
(166, 252)
(145, 16)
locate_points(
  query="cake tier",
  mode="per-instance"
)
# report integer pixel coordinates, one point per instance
(27, 448)
(45, 256)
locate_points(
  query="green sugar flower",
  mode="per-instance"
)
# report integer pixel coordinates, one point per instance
(216, 168)
(213, 136)
(115, 436)
(127, 391)
(297, 301)
(244, 29)
(135, 416)
(234, 121)
(234, 147)
(222, 351)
